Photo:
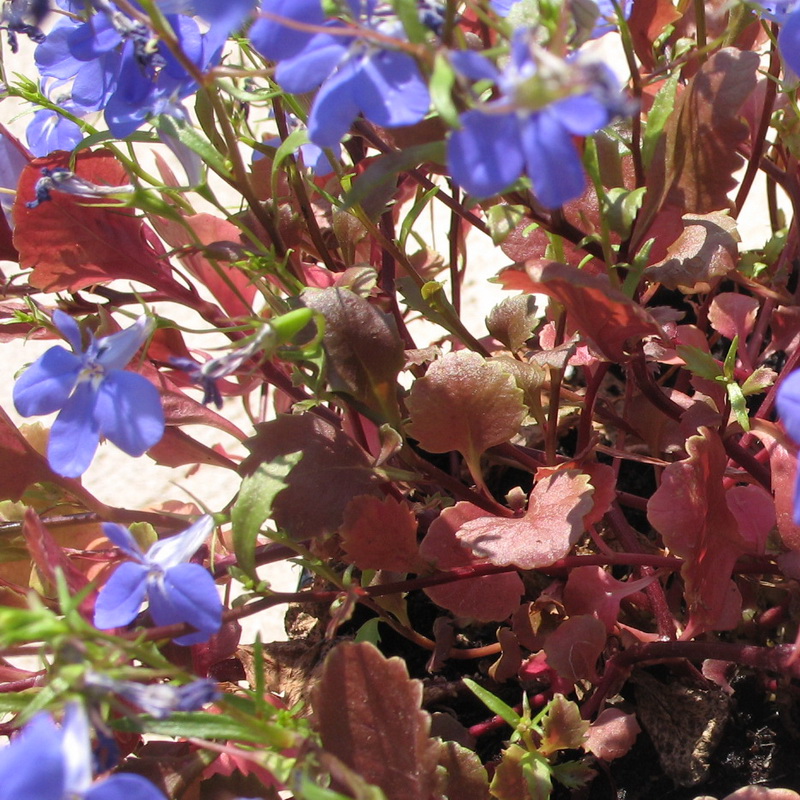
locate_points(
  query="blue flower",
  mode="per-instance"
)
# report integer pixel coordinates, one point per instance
(177, 591)
(46, 762)
(529, 129)
(606, 20)
(160, 700)
(117, 64)
(788, 403)
(356, 74)
(95, 395)
(789, 41)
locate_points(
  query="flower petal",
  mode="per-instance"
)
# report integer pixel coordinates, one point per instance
(69, 329)
(121, 598)
(789, 42)
(74, 436)
(552, 160)
(312, 65)
(581, 114)
(123, 538)
(47, 383)
(129, 412)
(788, 402)
(32, 766)
(77, 751)
(485, 156)
(116, 350)
(335, 107)
(277, 41)
(168, 553)
(390, 90)
(124, 786)
(187, 593)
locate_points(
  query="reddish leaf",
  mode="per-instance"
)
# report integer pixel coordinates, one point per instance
(574, 646)
(591, 590)
(180, 409)
(368, 714)
(463, 774)
(332, 471)
(176, 449)
(487, 598)
(69, 243)
(380, 534)
(604, 314)
(733, 314)
(703, 138)
(13, 159)
(513, 320)
(48, 556)
(648, 20)
(467, 404)
(365, 352)
(705, 252)
(690, 511)
(612, 734)
(547, 532)
(203, 239)
(29, 466)
(754, 509)
(783, 466)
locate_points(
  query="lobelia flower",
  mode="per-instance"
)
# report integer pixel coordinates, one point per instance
(61, 179)
(177, 591)
(47, 762)
(95, 395)
(356, 75)
(602, 14)
(788, 403)
(159, 700)
(117, 64)
(529, 129)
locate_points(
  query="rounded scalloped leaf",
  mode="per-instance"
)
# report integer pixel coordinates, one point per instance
(612, 734)
(486, 598)
(464, 403)
(380, 534)
(547, 532)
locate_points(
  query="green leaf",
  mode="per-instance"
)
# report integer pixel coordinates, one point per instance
(370, 632)
(408, 12)
(199, 724)
(573, 774)
(494, 704)
(187, 135)
(441, 89)
(19, 625)
(700, 362)
(502, 220)
(760, 380)
(254, 505)
(738, 405)
(730, 359)
(661, 110)
(621, 207)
